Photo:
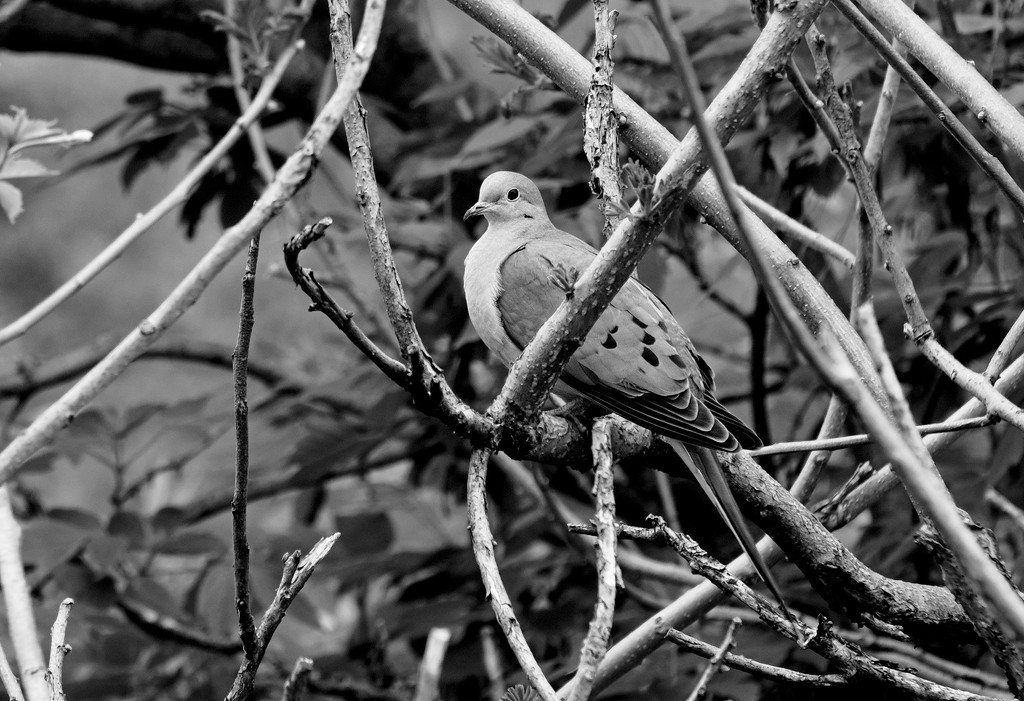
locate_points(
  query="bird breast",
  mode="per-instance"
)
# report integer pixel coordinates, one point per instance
(482, 282)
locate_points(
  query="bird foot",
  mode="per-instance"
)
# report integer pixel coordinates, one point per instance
(564, 277)
(580, 412)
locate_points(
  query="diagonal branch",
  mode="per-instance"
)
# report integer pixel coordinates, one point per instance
(142, 224)
(292, 176)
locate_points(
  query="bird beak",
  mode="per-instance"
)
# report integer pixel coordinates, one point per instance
(476, 210)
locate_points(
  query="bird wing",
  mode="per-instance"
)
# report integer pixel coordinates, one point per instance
(636, 360)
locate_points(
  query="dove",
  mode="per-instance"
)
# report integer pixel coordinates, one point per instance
(636, 361)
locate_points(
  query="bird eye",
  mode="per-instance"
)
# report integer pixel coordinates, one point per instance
(512, 194)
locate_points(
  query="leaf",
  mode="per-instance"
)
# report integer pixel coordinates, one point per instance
(498, 133)
(215, 600)
(48, 543)
(104, 553)
(82, 520)
(191, 544)
(20, 167)
(129, 526)
(365, 533)
(19, 127)
(11, 201)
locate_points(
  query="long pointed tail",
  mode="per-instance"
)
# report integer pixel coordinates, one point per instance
(705, 468)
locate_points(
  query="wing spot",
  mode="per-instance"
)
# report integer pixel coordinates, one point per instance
(677, 361)
(638, 322)
(662, 325)
(609, 341)
(650, 357)
(648, 339)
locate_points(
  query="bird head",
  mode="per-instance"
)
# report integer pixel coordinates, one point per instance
(506, 196)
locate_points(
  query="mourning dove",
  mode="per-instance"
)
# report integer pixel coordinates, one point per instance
(636, 361)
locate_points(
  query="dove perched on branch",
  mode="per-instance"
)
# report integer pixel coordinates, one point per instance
(636, 361)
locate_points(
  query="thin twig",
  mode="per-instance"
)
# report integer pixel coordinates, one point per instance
(239, 498)
(144, 222)
(596, 641)
(812, 103)
(974, 383)
(758, 669)
(866, 438)
(21, 622)
(807, 479)
(928, 665)
(427, 684)
(782, 222)
(883, 113)
(1006, 506)
(322, 302)
(58, 651)
(715, 662)
(296, 572)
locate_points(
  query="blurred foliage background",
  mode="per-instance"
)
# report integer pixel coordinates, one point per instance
(128, 512)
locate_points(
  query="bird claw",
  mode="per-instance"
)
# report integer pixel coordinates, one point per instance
(564, 277)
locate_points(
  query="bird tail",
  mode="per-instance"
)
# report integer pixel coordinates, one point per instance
(708, 472)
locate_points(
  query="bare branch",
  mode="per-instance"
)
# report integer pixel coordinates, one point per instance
(483, 551)
(715, 662)
(239, 498)
(322, 302)
(296, 573)
(886, 103)
(58, 651)
(758, 669)
(596, 641)
(785, 224)
(21, 622)
(829, 444)
(600, 130)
